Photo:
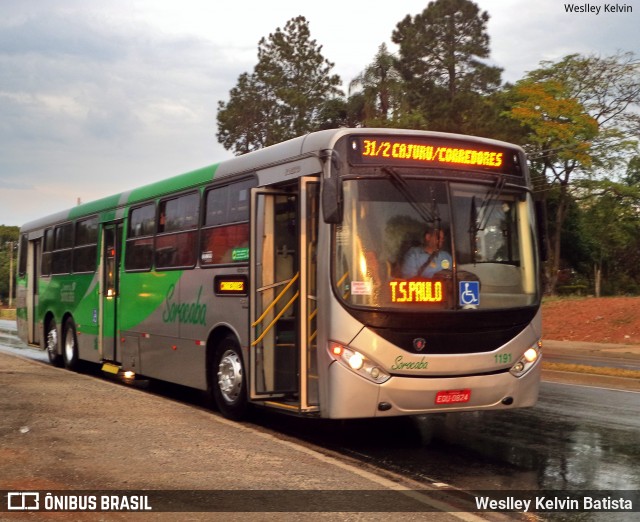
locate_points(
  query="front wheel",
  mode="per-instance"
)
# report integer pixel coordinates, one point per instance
(228, 379)
(70, 346)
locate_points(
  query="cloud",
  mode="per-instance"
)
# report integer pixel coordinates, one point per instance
(54, 34)
(525, 33)
(89, 107)
(100, 97)
(14, 185)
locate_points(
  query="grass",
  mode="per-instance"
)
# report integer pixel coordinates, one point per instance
(8, 313)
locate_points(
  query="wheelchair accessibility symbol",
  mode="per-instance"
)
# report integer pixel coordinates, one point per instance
(469, 293)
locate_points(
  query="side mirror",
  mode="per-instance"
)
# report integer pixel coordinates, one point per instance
(332, 200)
(331, 188)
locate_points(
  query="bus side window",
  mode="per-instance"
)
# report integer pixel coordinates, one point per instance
(225, 244)
(22, 255)
(86, 245)
(45, 269)
(63, 249)
(142, 223)
(225, 229)
(177, 232)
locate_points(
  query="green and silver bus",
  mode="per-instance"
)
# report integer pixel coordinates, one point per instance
(282, 278)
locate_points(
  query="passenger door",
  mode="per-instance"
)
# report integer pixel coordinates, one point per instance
(282, 362)
(110, 289)
(34, 260)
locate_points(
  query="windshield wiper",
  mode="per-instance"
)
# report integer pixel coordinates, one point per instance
(489, 202)
(487, 207)
(473, 230)
(428, 215)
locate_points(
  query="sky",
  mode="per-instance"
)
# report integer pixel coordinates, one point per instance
(101, 96)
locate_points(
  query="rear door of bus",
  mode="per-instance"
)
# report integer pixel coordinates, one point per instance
(110, 289)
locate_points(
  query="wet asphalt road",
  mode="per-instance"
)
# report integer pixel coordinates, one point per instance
(576, 438)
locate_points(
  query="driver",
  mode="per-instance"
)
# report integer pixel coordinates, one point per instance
(426, 260)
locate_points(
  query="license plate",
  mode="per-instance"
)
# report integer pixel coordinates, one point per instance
(453, 396)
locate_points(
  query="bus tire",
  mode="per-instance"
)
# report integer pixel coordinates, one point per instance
(70, 345)
(52, 344)
(229, 379)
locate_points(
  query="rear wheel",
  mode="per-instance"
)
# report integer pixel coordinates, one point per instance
(228, 379)
(52, 344)
(70, 346)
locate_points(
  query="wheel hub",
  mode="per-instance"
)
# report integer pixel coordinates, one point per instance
(69, 345)
(230, 376)
(52, 341)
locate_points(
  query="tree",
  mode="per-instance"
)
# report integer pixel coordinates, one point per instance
(379, 90)
(609, 90)
(289, 92)
(580, 115)
(440, 59)
(240, 121)
(8, 260)
(611, 212)
(333, 114)
(560, 136)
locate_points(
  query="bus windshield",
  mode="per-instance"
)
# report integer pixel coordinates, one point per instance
(424, 244)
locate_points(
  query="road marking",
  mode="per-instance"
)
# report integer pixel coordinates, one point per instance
(590, 386)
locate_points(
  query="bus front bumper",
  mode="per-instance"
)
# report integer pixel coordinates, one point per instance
(352, 396)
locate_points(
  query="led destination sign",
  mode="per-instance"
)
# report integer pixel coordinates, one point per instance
(230, 285)
(414, 151)
(430, 151)
(416, 291)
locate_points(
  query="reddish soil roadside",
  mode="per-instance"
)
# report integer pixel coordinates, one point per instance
(613, 320)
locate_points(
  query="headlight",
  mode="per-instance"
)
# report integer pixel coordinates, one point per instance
(527, 360)
(358, 363)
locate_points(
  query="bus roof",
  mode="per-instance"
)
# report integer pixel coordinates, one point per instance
(277, 154)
